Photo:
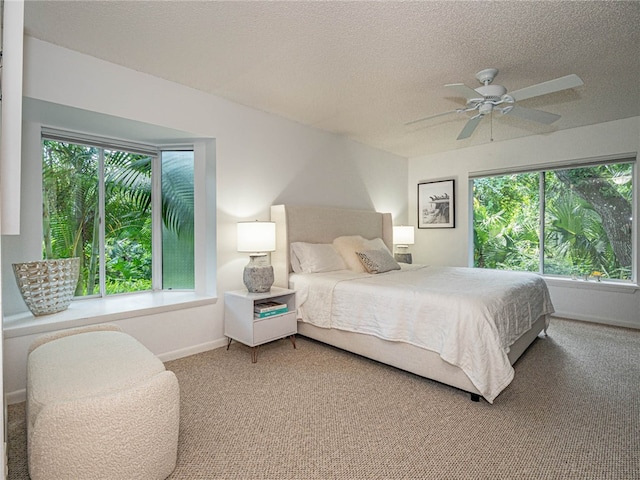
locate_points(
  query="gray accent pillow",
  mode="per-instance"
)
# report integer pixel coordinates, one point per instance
(378, 261)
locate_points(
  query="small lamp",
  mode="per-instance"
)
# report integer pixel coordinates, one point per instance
(257, 238)
(403, 236)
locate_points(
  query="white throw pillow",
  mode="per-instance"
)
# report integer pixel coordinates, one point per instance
(347, 246)
(376, 244)
(315, 258)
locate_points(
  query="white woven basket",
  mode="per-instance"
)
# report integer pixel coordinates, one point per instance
(47, 286)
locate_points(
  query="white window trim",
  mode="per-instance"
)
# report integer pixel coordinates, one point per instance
(153, 151)
(604, 285)
(614, 286)
(629, 157)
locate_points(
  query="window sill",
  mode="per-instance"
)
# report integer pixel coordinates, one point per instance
(92, 311)
(592, 284)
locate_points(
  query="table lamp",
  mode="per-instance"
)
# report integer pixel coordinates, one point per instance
(257, 238)
(403, 236)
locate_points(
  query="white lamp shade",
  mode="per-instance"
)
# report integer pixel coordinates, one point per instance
(403, 235)
(256, 237)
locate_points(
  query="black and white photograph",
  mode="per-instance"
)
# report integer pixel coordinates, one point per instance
(436, 204)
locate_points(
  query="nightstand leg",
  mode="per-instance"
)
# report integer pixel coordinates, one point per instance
(293, 340)
(254, 354)
(229, 339)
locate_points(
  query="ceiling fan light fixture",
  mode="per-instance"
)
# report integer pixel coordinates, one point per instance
(486, 108)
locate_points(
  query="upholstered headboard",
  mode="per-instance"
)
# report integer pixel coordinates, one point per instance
(321, 225)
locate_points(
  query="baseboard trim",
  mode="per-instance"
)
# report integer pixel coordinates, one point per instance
(593, 319)
(21, 395)
(16, 397)
(192, 350)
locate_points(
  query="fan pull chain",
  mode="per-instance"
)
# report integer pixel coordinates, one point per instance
(491, 126)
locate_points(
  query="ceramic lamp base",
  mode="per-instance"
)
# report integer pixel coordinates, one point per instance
(403, 257)
(258, 274)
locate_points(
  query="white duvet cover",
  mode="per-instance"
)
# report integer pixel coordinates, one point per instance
(468, 316)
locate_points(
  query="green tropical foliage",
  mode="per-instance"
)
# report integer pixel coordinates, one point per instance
(587, 221)
(71, 213)
(505, 226)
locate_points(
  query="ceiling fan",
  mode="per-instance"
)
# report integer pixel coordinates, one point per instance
(488, 98)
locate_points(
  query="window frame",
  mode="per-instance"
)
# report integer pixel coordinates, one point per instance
(155, 153)
(157, 228)
(540, 169)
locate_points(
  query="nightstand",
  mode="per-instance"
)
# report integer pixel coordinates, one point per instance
(242, 324)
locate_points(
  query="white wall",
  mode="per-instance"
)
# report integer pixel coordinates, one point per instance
(261, 159)
(586, 301)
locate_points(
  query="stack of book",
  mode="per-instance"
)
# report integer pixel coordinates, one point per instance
(267, 309)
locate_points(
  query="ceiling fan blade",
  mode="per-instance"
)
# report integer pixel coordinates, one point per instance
(532, 114)
(467, 92)
(469, 127)
(430, 117)
(551, 86)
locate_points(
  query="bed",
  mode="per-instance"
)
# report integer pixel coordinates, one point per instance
(478, 332)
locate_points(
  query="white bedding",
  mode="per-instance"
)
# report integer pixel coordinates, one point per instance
(468, 316)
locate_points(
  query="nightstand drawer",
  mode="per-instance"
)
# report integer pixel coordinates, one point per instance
(272, 328)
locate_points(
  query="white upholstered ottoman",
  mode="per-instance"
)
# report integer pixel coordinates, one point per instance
(99, 405)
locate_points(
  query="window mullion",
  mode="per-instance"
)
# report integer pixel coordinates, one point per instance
(156, 222)
(541, 195)
(102, 276)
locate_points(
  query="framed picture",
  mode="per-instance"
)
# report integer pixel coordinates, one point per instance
(436, 207)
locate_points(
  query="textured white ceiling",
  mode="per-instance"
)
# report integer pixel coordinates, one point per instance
(364, 69)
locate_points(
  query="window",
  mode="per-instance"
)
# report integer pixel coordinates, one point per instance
(177, 224)
(571, 221)
(101, 204)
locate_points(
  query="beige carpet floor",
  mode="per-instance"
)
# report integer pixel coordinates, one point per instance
(572, 412)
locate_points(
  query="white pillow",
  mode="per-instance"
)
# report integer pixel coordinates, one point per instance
(378, 261)
(315, 258)
(347, 247)
(377, 244)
